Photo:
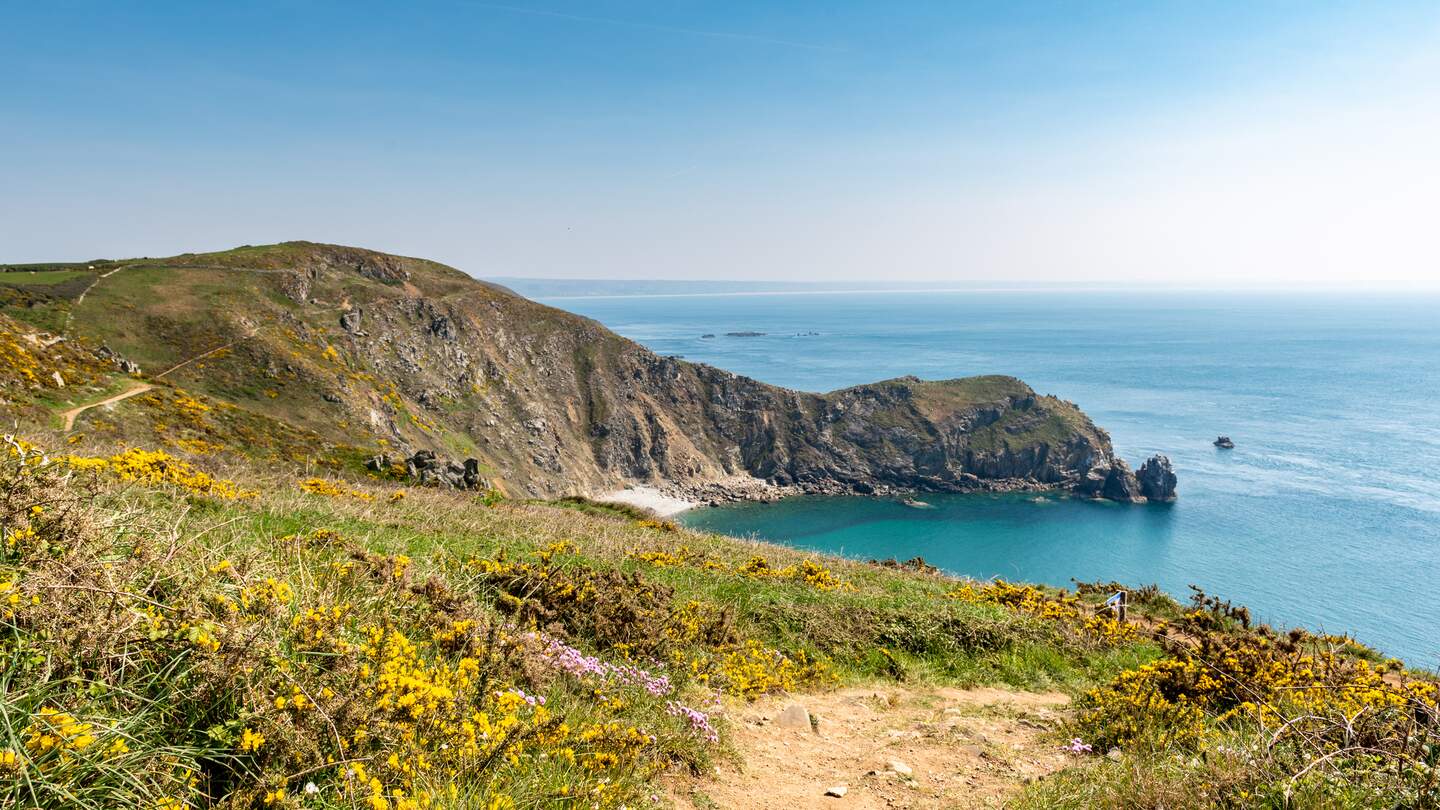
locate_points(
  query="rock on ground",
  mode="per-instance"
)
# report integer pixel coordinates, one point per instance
(795, 716)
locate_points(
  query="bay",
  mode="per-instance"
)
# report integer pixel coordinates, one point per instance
(1325, 515)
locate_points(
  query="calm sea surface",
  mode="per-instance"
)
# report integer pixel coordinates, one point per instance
(1326, 515)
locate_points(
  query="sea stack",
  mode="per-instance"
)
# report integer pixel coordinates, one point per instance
(1157, 478)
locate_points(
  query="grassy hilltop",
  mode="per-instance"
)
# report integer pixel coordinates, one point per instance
(206, 600)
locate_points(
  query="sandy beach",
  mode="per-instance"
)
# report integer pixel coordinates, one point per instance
(649, 498)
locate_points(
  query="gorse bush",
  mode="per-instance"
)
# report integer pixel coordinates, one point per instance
(807, 572)
(1293, 716)
(158, 467)
(642, 621)
(1063, 612)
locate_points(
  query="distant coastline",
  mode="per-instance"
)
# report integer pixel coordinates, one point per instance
(561, 289)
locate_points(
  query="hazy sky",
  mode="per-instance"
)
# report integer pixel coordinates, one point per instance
(1275, 143)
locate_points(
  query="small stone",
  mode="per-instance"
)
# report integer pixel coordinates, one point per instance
(901, 768)
(837, 791)
(795, 716)
(973, 750)
(59, 381)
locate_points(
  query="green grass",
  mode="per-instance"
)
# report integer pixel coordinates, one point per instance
(42, 277)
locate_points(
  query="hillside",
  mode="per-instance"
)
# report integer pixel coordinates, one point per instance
(171, 638)
(370, 354)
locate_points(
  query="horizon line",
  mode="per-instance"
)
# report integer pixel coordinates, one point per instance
(1079, 287)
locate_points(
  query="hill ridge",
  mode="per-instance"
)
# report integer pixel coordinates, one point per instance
(398, 354)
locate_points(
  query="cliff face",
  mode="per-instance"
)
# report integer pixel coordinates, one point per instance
(403, 354)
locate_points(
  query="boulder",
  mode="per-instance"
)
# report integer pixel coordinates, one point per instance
(350, 321)
(431, 469)
(794, 716)
(126, 366)
(1157, 478)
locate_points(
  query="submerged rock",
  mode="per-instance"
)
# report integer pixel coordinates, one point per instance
(1157, 479)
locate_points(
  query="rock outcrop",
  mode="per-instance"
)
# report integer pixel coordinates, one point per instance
(1157, 479)
(125, 365)
(433, 470)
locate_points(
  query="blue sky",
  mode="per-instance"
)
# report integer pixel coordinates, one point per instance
(1197, 143)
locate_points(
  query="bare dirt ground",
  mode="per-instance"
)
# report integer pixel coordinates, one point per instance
(962, 748)
(68, 417)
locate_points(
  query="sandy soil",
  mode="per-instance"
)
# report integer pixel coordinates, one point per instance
(649, 498)
(961, 748)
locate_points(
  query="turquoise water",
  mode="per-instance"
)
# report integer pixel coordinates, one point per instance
(1326, 515)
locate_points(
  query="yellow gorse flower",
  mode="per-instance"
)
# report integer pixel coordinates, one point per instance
(158, 467)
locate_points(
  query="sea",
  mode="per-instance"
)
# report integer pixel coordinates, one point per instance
(1325, 515)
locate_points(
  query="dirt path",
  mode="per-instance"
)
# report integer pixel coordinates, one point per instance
(70, 315)
(183, 363)
(963, 748)
(69, 416)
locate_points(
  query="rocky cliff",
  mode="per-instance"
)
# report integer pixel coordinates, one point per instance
(403, 354)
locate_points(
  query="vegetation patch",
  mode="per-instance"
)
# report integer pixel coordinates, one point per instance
(158, 467)
(1242, 716)
(143, 669)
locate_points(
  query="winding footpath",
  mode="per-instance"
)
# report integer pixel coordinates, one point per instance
(203, 355)
(70, 315)
(70, 415)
